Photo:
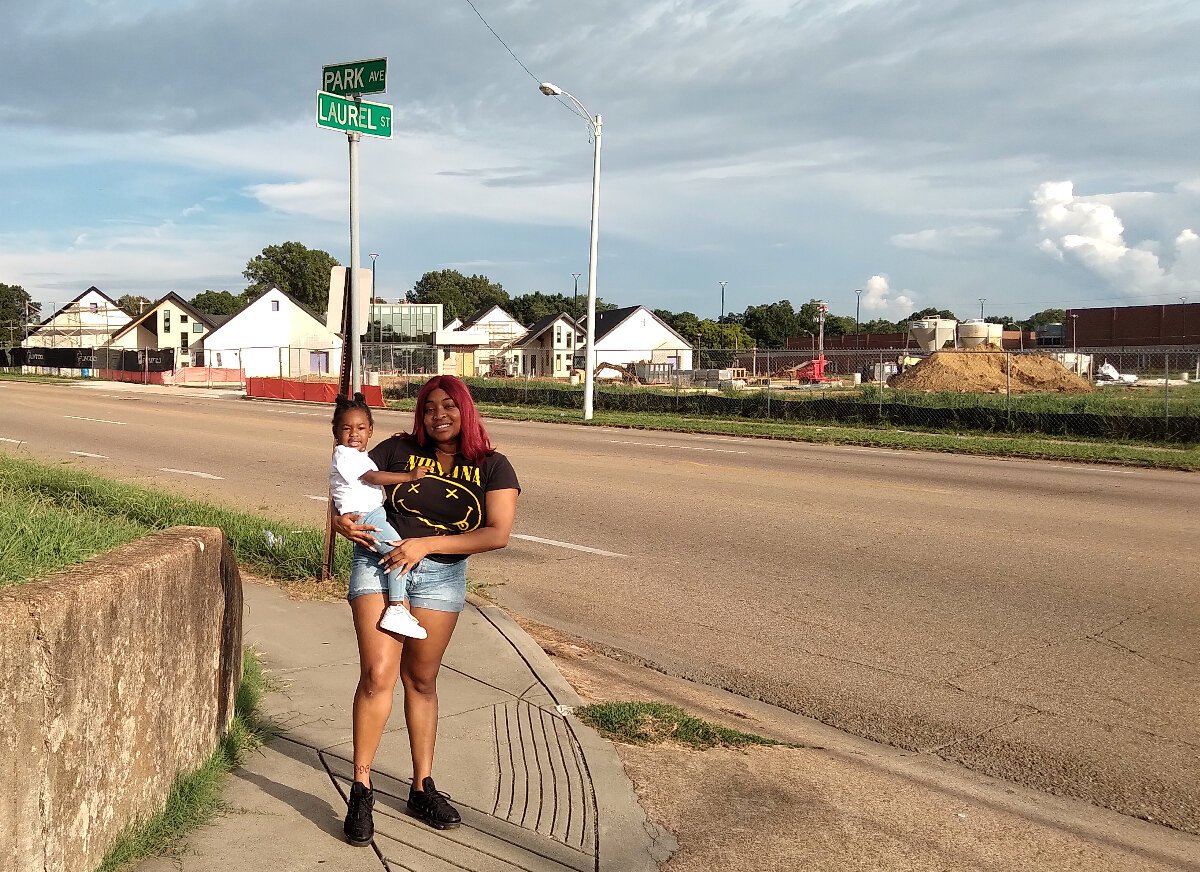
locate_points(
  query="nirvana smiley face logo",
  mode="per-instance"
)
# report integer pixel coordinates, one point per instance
(440, 503)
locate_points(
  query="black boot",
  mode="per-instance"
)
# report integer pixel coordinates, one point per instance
(360, 826)
(430, 805)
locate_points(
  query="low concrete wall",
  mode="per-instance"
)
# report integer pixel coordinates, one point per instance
(115, 676)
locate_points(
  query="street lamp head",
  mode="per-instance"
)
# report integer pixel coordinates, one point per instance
(550, 90)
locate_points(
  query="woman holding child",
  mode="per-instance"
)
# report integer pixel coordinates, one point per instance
(456, 496)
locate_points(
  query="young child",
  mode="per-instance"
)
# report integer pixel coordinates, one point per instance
(356, 485)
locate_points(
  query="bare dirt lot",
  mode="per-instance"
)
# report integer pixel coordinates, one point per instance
(839, 803)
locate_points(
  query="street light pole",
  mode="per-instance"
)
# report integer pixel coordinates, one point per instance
(575, 299)
(1074, 345)
(722, 318)
(596, 123)
(374, 255)
(982, 300)
(857, 304)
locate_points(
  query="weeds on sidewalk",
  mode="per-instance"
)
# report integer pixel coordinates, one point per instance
(195, 797)
(645, 723)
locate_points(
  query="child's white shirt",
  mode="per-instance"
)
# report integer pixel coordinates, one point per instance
(350, 493)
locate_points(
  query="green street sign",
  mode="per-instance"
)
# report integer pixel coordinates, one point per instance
(354, 116)
(355, 77)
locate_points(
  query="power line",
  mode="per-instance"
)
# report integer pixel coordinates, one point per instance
(521, 63)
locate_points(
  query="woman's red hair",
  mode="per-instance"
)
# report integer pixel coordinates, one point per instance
(473, 442)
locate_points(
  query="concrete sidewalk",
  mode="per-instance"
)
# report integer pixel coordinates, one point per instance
(537, 789)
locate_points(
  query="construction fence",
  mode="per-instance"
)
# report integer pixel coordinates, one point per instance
(1138, 394)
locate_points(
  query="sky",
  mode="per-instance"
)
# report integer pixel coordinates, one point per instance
(1035, 154)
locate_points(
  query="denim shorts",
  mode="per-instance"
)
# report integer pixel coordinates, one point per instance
(431, 585)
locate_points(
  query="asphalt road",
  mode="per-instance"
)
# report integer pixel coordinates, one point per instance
(1034, 621)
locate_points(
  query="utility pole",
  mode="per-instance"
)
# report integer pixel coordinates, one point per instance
(575, 299)
(982, 300)
(857, 304)
(722, 318)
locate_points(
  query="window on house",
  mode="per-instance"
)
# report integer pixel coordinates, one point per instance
(558, 336)
(182, 318)
(183, 341)
(274, 305)
(166, 320)
(94, 307)
(568, 340)
(218, 358)
(197, 327)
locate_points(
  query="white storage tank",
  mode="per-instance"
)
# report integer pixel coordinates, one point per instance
(974, 332)
(931, 334)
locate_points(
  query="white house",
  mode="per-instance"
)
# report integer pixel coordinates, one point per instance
(86, 322)
(636, 335)
(501, 330)
(173, 323)
(274, 336)
(547, 349)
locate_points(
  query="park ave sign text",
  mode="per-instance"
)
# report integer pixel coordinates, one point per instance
(355, 77)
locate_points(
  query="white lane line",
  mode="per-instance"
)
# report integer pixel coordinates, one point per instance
(190, 472)
(86, 454)
(567, 545)
(678, 447)
(318, 499)
(94, 420)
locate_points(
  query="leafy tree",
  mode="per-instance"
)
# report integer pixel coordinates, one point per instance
(133, 305)
(931, 312)
(880, 325)
(1009, 322)
(459, 295)
(531, 308)
(295, 269)
(220, 302)
(17, 310)
(1047, 316)
(772, 323)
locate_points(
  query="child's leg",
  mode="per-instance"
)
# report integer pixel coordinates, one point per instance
(397, 581)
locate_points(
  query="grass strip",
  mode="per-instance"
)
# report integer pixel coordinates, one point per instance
(195, 797)
(37, 377)
(1017, 447)
(59, 494)
(647, 723)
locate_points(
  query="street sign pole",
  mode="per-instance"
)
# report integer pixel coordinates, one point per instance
(355, 256)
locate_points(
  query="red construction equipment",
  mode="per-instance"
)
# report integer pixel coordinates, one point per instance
(812, 371)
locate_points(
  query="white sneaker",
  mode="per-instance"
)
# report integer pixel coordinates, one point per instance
(398, 619)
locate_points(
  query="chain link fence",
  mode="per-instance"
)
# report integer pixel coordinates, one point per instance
(1138, 394)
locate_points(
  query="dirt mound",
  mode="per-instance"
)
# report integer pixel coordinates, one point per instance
(986, 369)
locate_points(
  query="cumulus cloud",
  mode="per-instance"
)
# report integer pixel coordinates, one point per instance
(878, 296)
(1088, 232)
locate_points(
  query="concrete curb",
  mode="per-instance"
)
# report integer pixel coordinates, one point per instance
(626, 840)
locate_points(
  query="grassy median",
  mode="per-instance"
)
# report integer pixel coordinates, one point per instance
(54, 516)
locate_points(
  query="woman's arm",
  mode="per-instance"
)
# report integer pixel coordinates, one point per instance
(347, 525)
(501, 508)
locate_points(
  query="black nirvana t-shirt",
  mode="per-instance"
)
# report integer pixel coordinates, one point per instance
(443, 501)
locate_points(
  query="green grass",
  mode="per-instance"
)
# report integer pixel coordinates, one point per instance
(75, 515)
(646, 723)
(195, 797)
(1009, 446)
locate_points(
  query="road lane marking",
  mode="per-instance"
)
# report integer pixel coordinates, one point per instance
(567, 545)
(190, 472)
(94, 420)
(86, 454)
(678, 447)
(318, 499)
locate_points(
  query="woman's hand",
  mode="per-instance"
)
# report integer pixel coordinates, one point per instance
(408, 554)
(347, 525)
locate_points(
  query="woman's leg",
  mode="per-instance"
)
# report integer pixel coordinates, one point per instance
(419, 666)
(379, 666)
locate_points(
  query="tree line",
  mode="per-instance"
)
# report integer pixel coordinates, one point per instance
(304, 274)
